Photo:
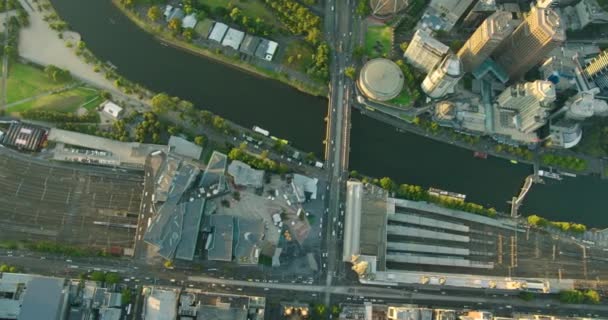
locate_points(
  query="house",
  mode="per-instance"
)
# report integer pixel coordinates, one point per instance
(168, 11)
(218, 32)
(177, 13)
(189, 21)
(110, 108)
(233, 38)
(249, 44)
(266, 49)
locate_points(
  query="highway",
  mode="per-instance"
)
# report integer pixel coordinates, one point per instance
(338, 24)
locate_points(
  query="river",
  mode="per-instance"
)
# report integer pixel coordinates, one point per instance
(376, 149)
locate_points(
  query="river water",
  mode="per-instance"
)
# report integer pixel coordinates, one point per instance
(376, 149)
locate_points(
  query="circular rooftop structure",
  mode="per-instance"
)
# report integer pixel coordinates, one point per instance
(381, 79)
(385, 8)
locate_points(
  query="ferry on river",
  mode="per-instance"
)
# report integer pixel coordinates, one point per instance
(549, 174)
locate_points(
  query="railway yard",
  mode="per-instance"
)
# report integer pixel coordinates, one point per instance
(69, 203)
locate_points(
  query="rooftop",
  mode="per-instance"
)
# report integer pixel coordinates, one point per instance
(220, 243)
(244, 175)
(185, 148)
(381, 79)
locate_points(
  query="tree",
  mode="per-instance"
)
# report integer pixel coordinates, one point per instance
(4, 268)
(403, 46)
(127, 296)
(98, 276)
(168, 264)
(320, 309)
(526, 295)
(571, 296)
(112, 278)
(537, 221)
(311, 157)
(199, 140)
(350, 72)
(154, 13)
(591, 296)
(313, 36)
(188, 34)
(174, 25)
(161, 103)
(387, 183)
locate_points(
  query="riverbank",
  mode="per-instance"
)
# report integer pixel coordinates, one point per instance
(537, 159)
(319, 90)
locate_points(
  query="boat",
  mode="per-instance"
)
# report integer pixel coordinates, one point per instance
(261, 131)
(480, 155)
(549, 174)
(453, 195)
(514, 161)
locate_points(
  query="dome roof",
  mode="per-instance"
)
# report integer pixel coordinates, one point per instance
(381, 79)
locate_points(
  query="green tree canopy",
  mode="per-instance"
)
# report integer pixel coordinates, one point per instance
(154, 13)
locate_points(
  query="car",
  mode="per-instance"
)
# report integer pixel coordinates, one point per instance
(266, 289)
(191, 285)
(239, 289)
(172, 280)
(68, 260)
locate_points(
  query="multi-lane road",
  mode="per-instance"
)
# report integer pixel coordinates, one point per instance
(141, 273)
(338, 26)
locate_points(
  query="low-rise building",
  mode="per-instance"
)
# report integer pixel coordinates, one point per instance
(32, 297)
(112, 109)
(27, 137)
(233, 38)
(244, 175)
(218, 31)
(266, 49)
(189, 21)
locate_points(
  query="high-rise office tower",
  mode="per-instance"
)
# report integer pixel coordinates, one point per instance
(597, 70)
(442, 79)
(424, 51)
(527, 105)
(485, 39)
(540, 32)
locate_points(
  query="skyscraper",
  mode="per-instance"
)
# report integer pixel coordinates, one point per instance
(527, 105)
(485, 39)
(442, 79)
(541, 31)
(597, 70)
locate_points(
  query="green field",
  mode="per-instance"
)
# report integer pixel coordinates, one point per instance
(378, 41)
(403, 99)
(294, 48)
(25, 81)
(250, 8)
(67, 101)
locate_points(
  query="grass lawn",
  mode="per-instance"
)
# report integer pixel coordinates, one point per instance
(378, 41)
(250, 8)
(294, 48)
(25, 81)
(403, 99)
(67, 101)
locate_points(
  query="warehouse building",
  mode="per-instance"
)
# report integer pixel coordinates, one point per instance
(26, 137)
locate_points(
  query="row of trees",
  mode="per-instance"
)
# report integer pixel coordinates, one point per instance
(298, 19)
(259, 162)
(417, 193)
(578, 296)
(108, 278)
(566, 162)
(541, 222)
(55, 116)
(412, 77)
(320, 62)
(250, 24)
(7, 268)
(520, 152)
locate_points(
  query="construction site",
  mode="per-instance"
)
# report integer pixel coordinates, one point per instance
(400, 241)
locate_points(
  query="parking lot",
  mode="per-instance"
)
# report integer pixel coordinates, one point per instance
(72, 204)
